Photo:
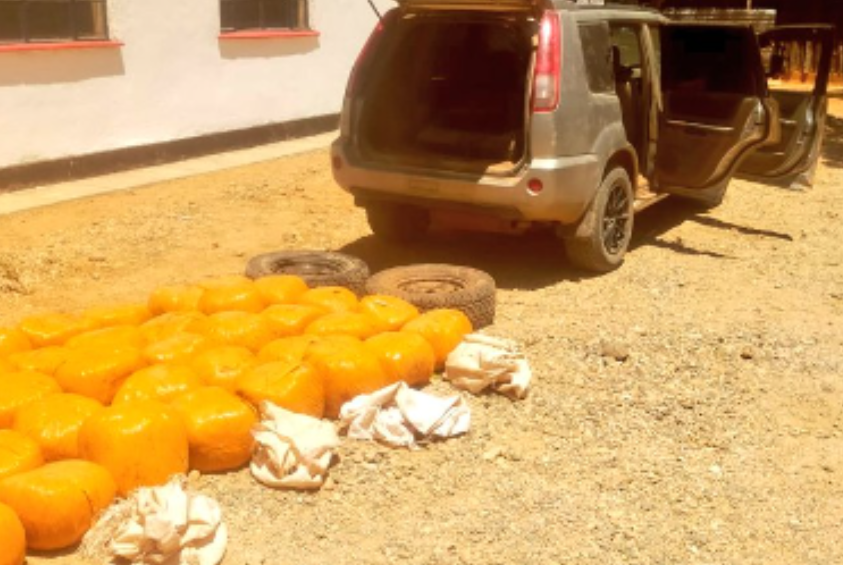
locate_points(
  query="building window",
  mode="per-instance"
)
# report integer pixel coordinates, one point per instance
(41, 21)
(263, 14)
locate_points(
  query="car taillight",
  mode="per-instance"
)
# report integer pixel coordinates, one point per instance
(548, 64)
(362, 58)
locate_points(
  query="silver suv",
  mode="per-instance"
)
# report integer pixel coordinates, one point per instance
(507, 115)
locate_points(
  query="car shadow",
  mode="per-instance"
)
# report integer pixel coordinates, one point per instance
(533, 261)
(537, 259)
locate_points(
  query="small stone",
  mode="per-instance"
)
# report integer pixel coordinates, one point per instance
(492, 454)
(617, 351)
(747, 353)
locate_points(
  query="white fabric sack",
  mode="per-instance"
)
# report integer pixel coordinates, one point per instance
(292, 450)
(397, 415)
(168, 525)
(482, 362)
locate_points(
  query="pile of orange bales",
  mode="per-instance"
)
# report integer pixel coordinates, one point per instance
(96, 404)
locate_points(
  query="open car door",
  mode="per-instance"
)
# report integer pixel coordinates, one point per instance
(716, 109)
(797, 62)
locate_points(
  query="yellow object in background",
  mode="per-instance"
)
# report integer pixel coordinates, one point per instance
(295, 386)
(343, 323)
(333, 298)
(223, 365)
(157, 382)
(287, 320)
(348, 369)
(290, 349)
(13, 340)
(53, 329)
(169, 324)
(443, 329)
(388, 313)
(120, 315)
(281, 289)
(178, 348)
(12, 538)
(404, 356)
(98, 373)
(219, 428)
(44, 360)
(18, 453)
(57, 503)
(176, 298)
(245, 329)
(141, 443)
(22, 387)
(227, 294)
(108, 338)
(54, 423)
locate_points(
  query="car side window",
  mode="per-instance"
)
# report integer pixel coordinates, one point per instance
(597, 52)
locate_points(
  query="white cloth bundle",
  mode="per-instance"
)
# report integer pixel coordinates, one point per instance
(292, 450)
(482, 362)
(397, 415)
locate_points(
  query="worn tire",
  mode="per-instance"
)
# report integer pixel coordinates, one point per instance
(398, 223)
(317, 268)
(430, 286)
(603, 235)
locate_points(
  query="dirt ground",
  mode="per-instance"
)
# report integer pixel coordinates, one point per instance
(718, 439)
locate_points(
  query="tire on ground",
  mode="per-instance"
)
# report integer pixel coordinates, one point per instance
(317, 268)
(431, 286)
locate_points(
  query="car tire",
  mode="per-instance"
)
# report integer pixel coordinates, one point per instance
(431, 286)
(603, 236)
(317, 268)
(398, 223)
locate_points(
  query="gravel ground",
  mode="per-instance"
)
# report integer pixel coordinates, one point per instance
(686, 408)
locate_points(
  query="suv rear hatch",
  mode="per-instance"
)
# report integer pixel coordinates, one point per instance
(447, 86)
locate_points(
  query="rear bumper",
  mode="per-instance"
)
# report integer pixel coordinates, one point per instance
(569, 185)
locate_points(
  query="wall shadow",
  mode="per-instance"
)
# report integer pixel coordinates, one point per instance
(60, 67)
(266, 48)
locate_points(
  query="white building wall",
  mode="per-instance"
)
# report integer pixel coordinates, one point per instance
(173, 78)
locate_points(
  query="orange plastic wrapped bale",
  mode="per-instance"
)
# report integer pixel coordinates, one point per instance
(120, 315)
(245, 329)
(388, 313)
(18, 453)
(12, 538)
(443, 329)
(22, 387)
(7, 366)
(281, 289)
(219, 428)
(333, 298)
(161, 382)
(176, 298)
(223, 365)
(45, 360)
(348, 369)
(141, 443)
(404, 356)
(54, 422)
(294, 386)
(114, 337)
(98, 373)
(169, 324)
(12, 340)
(226, 294)
(53, 329)
(179, 348)
(287, 320)
(288, 349)
(343, 323)
(58, 503)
